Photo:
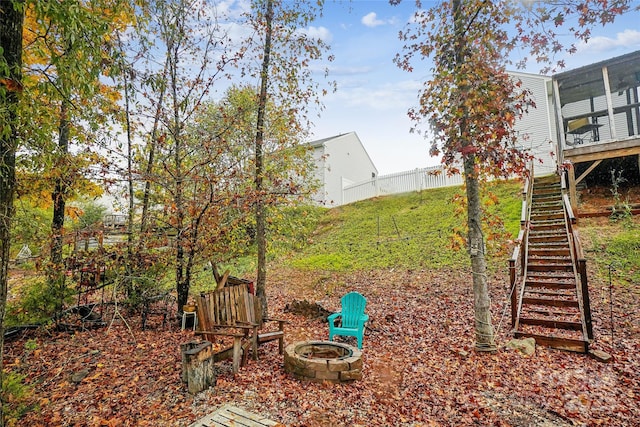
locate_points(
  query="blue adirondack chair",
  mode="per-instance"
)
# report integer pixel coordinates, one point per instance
(352, 316)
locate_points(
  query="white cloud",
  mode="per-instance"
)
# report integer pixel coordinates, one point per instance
(321, 33)
(627, 38)
(371, 20)
(358, 94)
(349, 70)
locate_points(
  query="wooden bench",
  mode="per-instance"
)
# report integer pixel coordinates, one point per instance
(232, 311)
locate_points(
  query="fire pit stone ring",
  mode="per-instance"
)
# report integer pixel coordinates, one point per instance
(323, 361)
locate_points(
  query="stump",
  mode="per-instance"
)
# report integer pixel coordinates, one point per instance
(198, 365)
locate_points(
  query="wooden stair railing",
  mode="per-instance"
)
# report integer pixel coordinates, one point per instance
(549, 293)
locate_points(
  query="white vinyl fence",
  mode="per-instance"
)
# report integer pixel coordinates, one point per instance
(401, 182)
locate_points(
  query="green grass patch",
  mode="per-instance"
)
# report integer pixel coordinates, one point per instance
(412, 230)
(16, 396)
(615, 247)
(323, 262)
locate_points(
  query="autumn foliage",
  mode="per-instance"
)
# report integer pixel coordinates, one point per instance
(419, 368)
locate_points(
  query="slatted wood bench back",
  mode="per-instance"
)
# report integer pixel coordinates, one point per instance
(228, 306)
(234, 311)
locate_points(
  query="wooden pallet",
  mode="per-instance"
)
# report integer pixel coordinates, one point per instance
(229, 415)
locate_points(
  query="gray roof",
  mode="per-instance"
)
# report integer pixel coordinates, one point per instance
(586, 82)
(323, 141)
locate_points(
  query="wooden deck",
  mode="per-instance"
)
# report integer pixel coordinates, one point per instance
(229, 415)
(603, 150)
(596, 153)
(610, 90)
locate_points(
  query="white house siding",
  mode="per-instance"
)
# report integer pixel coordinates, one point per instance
(319, 161)
(537, 127)
(341, 159)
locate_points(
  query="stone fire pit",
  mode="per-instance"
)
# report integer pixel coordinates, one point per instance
(323, 361)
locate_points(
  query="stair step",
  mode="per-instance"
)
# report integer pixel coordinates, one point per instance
(548, 323)
(547, 228)
(537, 230)
(551, 199)
(540, 247)
(545, 204)
(546, 237)
(541, 219)
(548, 285)
(551, 210)
(558, 223)
(547, 215)
(555, 277)
(554, 313)
(548, 197)
(550, 230)
(549, 251)
(550, 259)
(550, 245)
(559, 343)
(547, 179)
(546, 189)
(537, 233)
(549, 267)
(538, 208)
(536, 292)
(541, 192)
(550, 302)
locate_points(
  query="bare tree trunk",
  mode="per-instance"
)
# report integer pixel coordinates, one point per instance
(56, 273)
(261, 238)
(485, 340)
(11, 18)
(182, 276)
(59, 192)
(144, 219)
(128, 280)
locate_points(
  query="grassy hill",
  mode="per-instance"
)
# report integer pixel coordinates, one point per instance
(412, 230)
(415, 230)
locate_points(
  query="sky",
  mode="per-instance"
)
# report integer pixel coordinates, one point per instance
(374, 95)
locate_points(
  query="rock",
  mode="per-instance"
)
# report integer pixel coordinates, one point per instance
(600, 356)
(77, 377)
(526, 346)
(460, 352)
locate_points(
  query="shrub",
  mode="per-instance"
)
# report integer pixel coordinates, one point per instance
(15, 396)
(37, 303)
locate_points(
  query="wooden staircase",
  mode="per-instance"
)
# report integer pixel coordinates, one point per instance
(549, 300)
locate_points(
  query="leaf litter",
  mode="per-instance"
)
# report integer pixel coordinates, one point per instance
(420, 368)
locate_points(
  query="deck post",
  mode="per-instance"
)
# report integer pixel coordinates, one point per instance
(514, 300)
(560, 126)
(607, 94)
(586, 304)
(573, 194)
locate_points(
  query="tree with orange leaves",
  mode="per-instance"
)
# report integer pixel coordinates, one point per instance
(67, 48)
(471, 104)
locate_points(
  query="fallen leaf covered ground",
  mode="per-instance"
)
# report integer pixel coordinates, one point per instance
(420, 368)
